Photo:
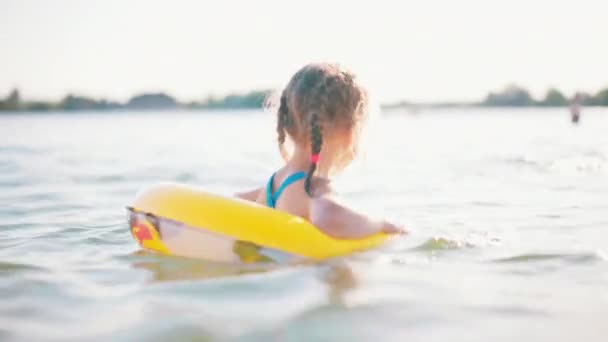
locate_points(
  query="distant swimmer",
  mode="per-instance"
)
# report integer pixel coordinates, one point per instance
(575, 108)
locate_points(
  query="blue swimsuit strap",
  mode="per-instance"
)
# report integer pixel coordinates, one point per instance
(271, 199)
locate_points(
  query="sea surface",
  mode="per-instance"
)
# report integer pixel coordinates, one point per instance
(507, 209)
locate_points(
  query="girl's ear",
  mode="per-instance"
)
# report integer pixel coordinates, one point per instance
(346, 149)
(349, 140)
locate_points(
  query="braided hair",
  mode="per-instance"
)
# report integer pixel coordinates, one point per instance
(316, 140)
(318, 99)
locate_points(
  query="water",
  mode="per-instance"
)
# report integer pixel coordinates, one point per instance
(508, 211)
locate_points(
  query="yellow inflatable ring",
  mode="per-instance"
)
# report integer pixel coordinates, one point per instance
(180, 220)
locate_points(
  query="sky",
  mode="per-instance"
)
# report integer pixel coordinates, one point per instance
(419, 51)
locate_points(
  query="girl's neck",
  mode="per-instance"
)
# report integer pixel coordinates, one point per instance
(300, 160)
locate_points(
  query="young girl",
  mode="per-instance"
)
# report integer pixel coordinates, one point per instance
(322, 110)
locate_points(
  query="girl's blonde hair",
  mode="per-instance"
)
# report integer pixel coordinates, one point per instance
(320, 97)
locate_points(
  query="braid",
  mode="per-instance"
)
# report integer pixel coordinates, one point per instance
(316, 139)
(282, 123)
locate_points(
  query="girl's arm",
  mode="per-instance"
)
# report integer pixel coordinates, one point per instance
(251, 195)
(341, 222)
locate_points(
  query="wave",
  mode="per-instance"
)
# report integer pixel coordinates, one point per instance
(24, 150)
(10, 267)
(583, 162)
(575, 258)
(439, 244)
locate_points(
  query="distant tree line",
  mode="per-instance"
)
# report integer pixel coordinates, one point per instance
(510, 96)
(515, 96)
(148, 101)
(253, 99)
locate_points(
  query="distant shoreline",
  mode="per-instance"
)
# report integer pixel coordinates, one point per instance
(510, 97)
(244, 111)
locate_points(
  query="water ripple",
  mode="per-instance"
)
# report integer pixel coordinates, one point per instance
(508, 225)
(439, 244)
(540, 257)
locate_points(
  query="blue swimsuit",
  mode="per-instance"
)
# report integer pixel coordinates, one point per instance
(271, 199)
